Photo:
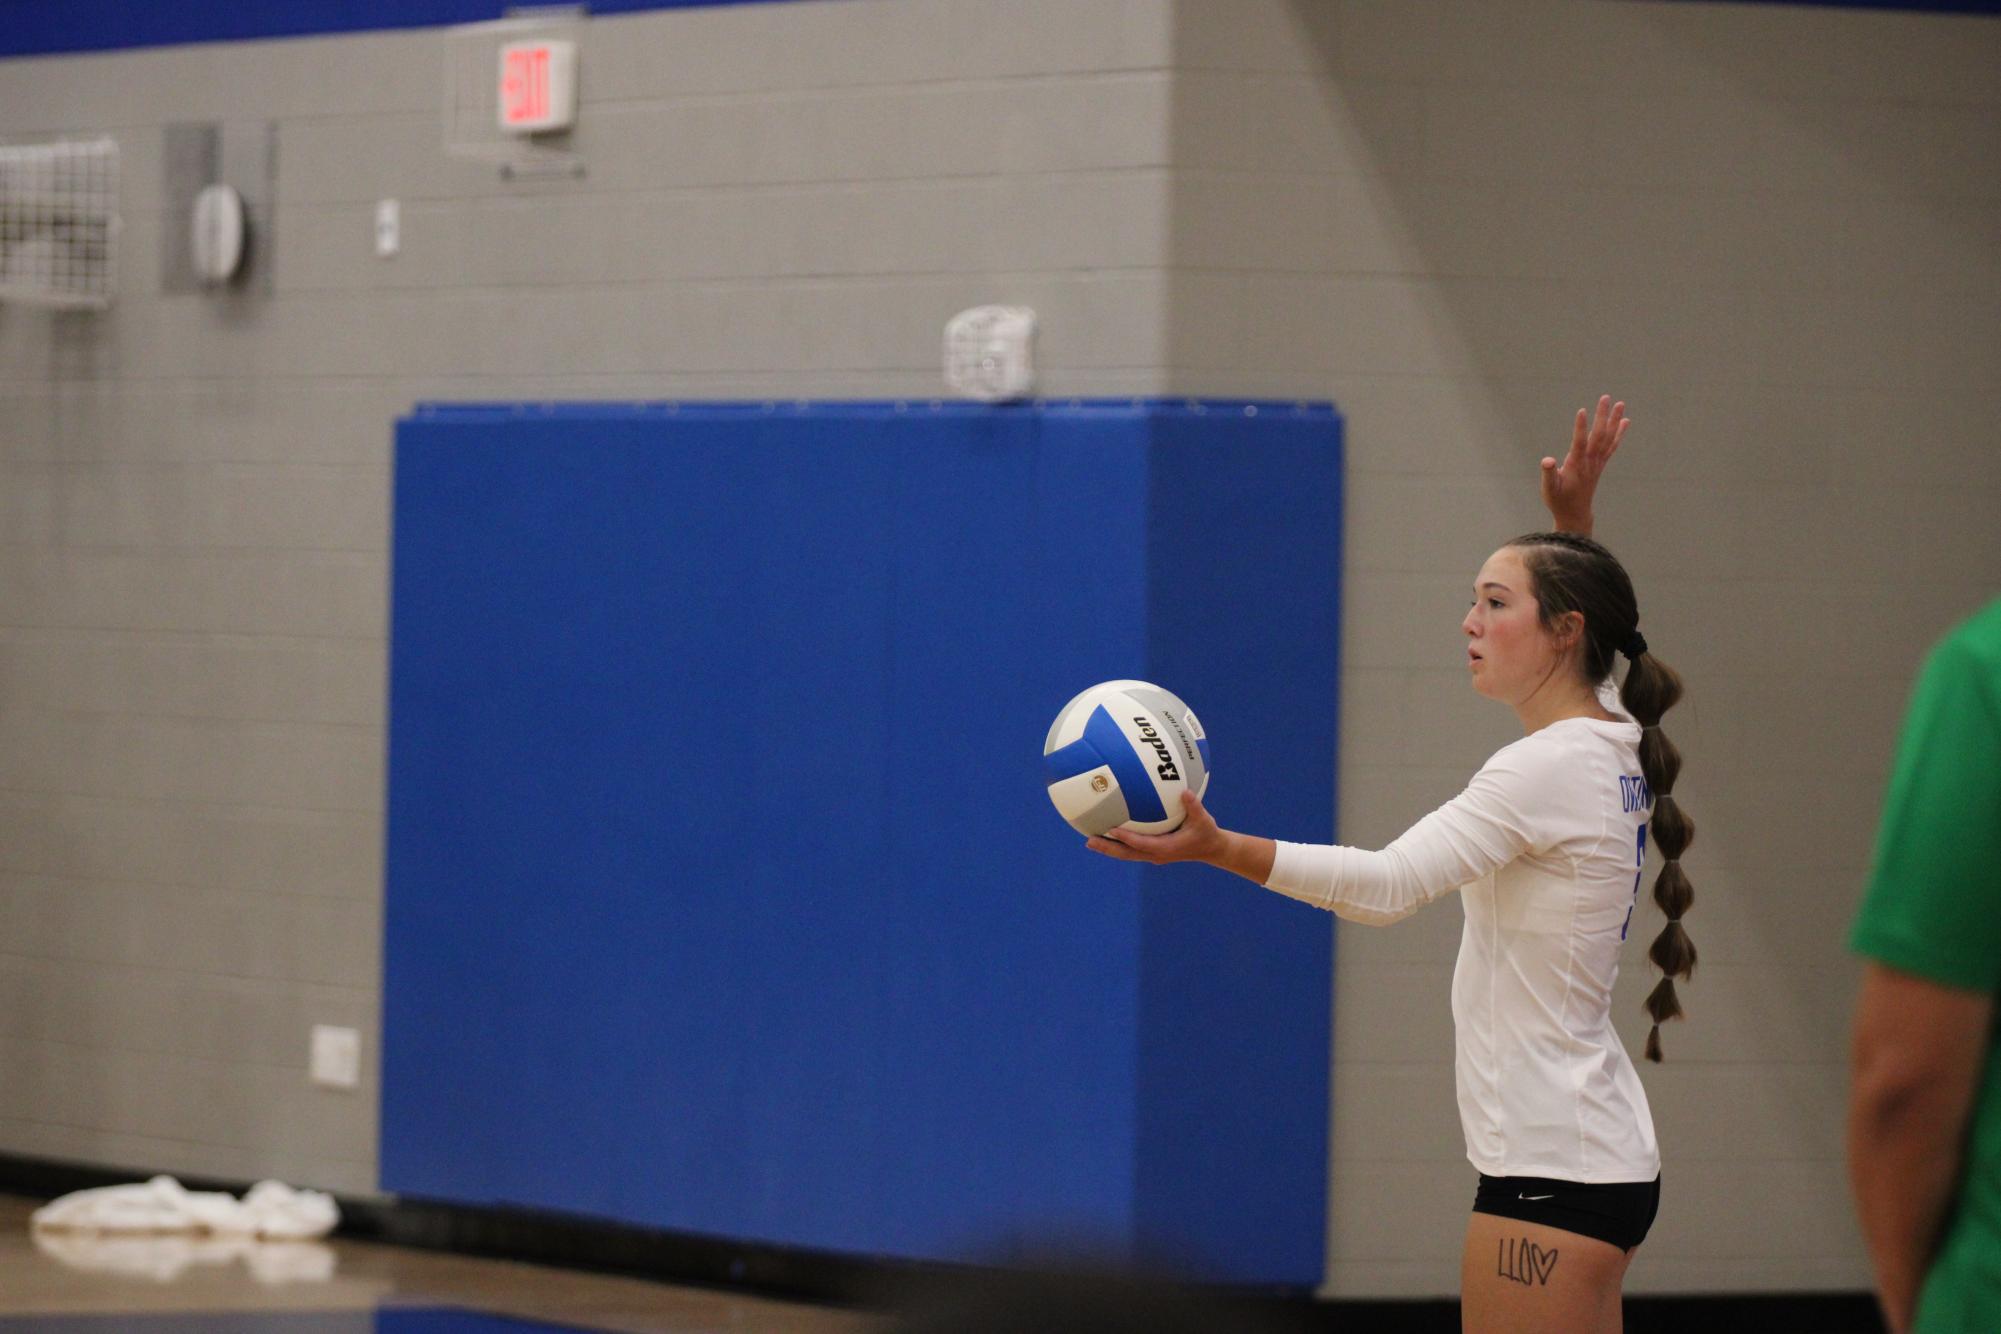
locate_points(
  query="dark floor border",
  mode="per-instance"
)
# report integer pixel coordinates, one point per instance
(933, 1293)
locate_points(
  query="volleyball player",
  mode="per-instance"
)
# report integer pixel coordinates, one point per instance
(1545, 847)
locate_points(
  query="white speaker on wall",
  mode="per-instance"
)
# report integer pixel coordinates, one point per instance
(989, 353)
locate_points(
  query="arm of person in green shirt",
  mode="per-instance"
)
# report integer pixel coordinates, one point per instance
(1918, 1051)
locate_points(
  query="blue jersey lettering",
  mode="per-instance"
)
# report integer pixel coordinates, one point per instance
(1634, 795)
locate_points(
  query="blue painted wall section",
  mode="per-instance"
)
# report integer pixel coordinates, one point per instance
(723, 894)
(37, 27)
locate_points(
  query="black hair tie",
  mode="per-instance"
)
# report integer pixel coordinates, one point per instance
(1634, 646)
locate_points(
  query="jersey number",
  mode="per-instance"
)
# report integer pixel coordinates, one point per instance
(1642, 864)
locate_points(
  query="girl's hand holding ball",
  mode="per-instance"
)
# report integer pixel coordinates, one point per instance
(1199, 839)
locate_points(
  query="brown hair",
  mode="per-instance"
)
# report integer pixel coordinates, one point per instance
(1574, 573)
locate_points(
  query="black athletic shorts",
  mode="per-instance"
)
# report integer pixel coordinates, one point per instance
(1619, 1212)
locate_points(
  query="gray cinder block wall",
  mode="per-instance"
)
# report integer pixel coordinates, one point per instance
(1772, 229)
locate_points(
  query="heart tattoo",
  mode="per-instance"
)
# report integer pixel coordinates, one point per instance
(1525, 1262)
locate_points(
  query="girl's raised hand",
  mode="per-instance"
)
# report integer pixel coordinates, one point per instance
(1567, 488)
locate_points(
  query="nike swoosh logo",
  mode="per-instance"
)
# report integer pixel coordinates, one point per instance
(1535, 1197)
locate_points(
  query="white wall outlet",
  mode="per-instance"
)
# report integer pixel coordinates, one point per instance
(388, 227)
(336, 1059)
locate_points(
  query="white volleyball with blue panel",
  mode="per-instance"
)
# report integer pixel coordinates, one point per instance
(1121, 754)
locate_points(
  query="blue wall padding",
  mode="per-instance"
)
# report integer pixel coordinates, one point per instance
(1242, 598)
(723, 893)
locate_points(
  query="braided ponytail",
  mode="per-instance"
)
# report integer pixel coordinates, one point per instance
(1652, 688)
(1574, 573)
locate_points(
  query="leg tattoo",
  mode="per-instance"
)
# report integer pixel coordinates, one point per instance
(1525, 1262)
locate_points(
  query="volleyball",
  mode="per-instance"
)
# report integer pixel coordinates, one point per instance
(1121, 754)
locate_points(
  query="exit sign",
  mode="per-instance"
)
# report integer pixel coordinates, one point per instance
(538, 86)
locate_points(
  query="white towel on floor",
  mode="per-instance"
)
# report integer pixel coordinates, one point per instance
(270, 1209)
(166, 1256)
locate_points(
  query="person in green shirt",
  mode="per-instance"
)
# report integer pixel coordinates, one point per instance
(1924, 1115)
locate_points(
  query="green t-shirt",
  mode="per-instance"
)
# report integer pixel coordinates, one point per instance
(1934, 910)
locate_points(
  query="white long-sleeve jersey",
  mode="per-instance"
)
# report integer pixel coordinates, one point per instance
(1545, 846)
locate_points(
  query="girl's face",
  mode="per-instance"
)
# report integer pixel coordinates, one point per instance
(1508, 652)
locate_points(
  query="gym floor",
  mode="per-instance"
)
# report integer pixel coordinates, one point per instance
(167, 1285)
